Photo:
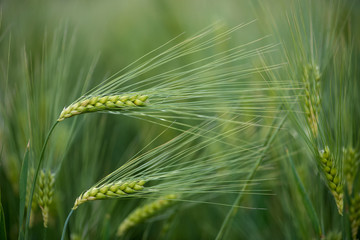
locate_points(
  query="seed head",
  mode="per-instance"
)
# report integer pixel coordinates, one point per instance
(111, 190)
(45, 192)
(332, 177)
(98, 103)
(350, 166)
(145, 212)
(312, 100)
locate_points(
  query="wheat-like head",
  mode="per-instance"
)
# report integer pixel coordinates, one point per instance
(333, 177)
(45, 192)
(145, 212)
(311, 78)
(112, 190)
(350, 166)
(101, 103)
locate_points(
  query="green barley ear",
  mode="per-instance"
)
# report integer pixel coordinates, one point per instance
(45, 192)
(333, 178)
(111, 190)
(311, 78)
(145, 212)
(101, 103)
(355, 215)
(350, 166)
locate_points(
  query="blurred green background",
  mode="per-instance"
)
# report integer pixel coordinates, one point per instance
(48, 49)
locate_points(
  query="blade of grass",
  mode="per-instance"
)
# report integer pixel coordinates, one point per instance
(66, 224)
(346, 225)
(2, 217)
(2, 222)
(231, 214)
(23, 184)
(305, 198)
(35, 178)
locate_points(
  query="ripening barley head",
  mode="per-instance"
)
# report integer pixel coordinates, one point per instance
(45, 193)
(143, 213)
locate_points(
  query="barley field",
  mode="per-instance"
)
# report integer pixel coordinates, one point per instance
(184, 119)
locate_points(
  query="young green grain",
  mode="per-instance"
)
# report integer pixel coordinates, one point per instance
(333, 178)
(111, 190)
(101, 103)
(311, 78)
(45, 192)
(145, 212)
(350, 166)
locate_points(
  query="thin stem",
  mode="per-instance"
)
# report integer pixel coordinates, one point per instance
(231, 214)
(35, 178)
(45, 233)
(66, 223)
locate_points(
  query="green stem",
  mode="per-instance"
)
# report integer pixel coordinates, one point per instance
(305, 198)
(35, 178)
(65, 225)
(231, 214)
(45, 233)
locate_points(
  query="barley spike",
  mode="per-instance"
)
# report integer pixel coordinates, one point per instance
(45, 192)
(312, 96)
(332, 177)
(350, 166)
(145, 212)
(101, 103)
(111, 190)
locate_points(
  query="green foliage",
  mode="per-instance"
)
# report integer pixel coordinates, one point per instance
(188, 112)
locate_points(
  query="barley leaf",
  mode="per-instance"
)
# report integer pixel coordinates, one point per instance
(23, 184)
(2, 217)
(305, 198)
(2, 222)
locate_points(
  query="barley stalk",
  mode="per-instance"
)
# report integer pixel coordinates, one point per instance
(355, 215)
(27, 196)
(28, 187)
(45, 192)
(312, 96)
(101, 103)
(111, 190)
(145, 212)
(333, 179)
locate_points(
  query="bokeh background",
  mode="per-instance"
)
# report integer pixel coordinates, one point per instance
(48, 49)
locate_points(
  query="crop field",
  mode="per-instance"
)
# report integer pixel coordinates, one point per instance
(180, 120)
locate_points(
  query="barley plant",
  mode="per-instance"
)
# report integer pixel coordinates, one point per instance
(180, 119)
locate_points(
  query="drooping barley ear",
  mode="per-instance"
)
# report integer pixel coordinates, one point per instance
(355, 215)
(311, 78)
(101, 103)
(350, 166)
(111, 190)
(333, 178)
(145, 212)
(45, 192)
